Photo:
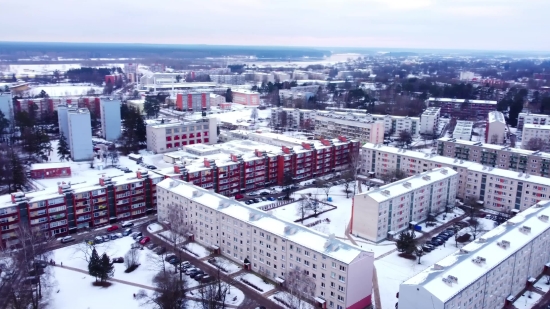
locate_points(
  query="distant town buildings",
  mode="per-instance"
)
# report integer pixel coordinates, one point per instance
(429, 120)
(534, 131)
(385, 211)
(111, 126)
(293, 118)
(495, 130)
(216, 100)
(488, 272)
(528, 118)
(246, 97)
(463, 108)
(463, 130)
(166, 137)
(233, 79)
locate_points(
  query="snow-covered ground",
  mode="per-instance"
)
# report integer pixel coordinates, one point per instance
(392, 270)
(541, 284)
(228, 265)
(234, 297)
(442, 219)
(257, 281)
(198, 249)
(284, 296)
(154, 227)
(58, 90)
(527, 300)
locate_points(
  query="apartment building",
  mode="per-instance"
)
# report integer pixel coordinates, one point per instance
(495, 130)
(6, 106)
(193, 101)
(241, 166)
(111, 126)
(217, 100)
(387, 210)
(531, 131)
(528, 118)
(429, 120)
(463, 109)
(167, 137)
(514, 159)
(498, 189)
(246, 97)
(281, 76)
(270, 246)
(365, 131)
(70, 208)
(233, 79)
(80, 134)
(490, 272)
(393, 125)
(292, 117)
(463, 130)
(46, 106)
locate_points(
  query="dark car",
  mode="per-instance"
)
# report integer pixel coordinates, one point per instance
(194, 274)
(138, 234)
(427, 248)
(264, 193)
(118, 260)
(40, 264)
(168, 257)
(247, 202)
(151, 246)
(174, 261)
(198, 277)
(160, 250)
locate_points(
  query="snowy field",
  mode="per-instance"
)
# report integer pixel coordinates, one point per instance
(392, 270)
(284, 296)
(199, 250)
(155, 227)
(527, 300)
(257, 281)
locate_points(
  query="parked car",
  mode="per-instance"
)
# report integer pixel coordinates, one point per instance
(159, 250)
(194, 274)
(106, 238)
(112, 228)
(271, 198)
(191, 271)
(247, 202)
(137, 234)
(257, 200)
(264, 193)
(239, 196)
(40, 264)
(98, 240)
(127, 232)
(116, 236)
(264, 198)
(206, 278)
(145, 240)
(67, 239)
(174, 261)
(168, 257)
(252, 194)
(139, 238)
(152, 246)
(198, 277)
(118, 260)
(127, 224)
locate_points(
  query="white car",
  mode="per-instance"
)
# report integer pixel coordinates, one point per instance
(67, 239)
(127, 224)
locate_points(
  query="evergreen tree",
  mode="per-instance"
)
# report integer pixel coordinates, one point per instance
(151, 106)
(14, 172)
(4, 123)
(107, 270)
(228, 95)
(63, 151)
(134, 132)
(406, 243)
(94, 265)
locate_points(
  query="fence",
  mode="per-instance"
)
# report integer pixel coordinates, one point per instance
(277, 204)
(327, 220)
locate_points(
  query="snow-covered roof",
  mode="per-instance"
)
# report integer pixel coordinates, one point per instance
(409, 184)
(536, 126)
(495, 147)
(41, 166)
(462, 101)
(306, 237)
(496, 116)
(431, 111)
(489, 251)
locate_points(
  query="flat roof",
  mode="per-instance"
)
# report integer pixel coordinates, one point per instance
(306, 237)
(409, 184)
(40, 166)
(495, 147)
(536, 126)
(496, 116)
(462, 101)
(245, 91)
(460, 264)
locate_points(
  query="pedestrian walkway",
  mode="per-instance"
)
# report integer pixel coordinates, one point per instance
(270, 293)
(377, 301)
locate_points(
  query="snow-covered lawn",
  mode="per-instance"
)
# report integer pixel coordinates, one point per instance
(541, 284)
(257, 281)
(527, 300)
(199, 250)
(226, 264)
(441, 219)
(285, 297)
(75, 291)
(154, 227)
(392, 270)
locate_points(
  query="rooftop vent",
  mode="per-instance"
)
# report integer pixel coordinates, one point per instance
(543, 218)
(407, 185)
(482, 240)
(525, 229)
(426, 177)
(463, 251)
(386, 192)
(479, 260)
(197, 193)
(290, 230)
(444, 171)
(504, 244)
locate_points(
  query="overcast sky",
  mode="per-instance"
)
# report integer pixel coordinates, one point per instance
(447, 24)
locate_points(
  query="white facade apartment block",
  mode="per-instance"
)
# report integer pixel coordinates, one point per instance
(294, 116)
(233, 79)
(80, 134)
(463, 130)
(168, 137)
(281, 76)
(6, 106)
(489, 272)
(362, 130)
(342, 272)
(391, 208)
(500, 189)
(429, 120)
(528, 118)
(534, 131)
(216, 99)
(111, 126)
(495, 131)
(394, 124)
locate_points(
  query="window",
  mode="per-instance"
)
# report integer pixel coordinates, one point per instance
(342, 268)
(332, 275)
(340, 298)
(342, 278)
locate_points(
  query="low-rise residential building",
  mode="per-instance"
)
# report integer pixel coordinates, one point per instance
(531, 131)
(246, 97)
(383, 212)
(463, 130)
(505, 157)
(217, 100)
(165, 137)
(281, 76)
(111, 126)
(44, 107)
(429, 120)
(193, 101)
(393, 125)
(495, 131)
(270, 246)
(498, 189)
(72, 208)
(79, 125)
(232, 79)
(293, 118)
(489, 272)
(328, 125)
(528, 118)
(462, 108)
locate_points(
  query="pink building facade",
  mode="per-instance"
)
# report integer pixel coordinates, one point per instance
(246, 97)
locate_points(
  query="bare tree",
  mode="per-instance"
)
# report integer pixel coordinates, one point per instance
(214, 294)
(348, 176)
(475, 227)
(299, 287)
(169, 292)
(536, 144)
(131, 259)
(178, 232)
(472, 206)
(30, 280)
(393, 175)
(405, 138)
(324, 185)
